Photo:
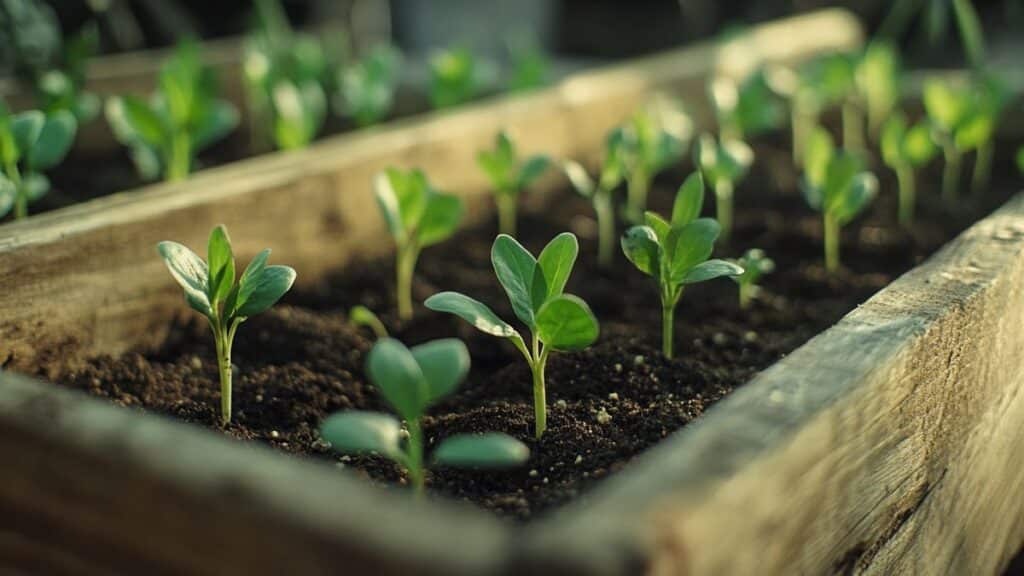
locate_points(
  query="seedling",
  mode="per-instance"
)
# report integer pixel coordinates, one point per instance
(530, 66)
(651, 145)
(878, 83)
(836, 185)
(675, 253)
(211, 289)
(61, 87)
(755, 264)
(556, 321)
(904, 149)
(599, 193)
(363, 316)
(367, 87)
(723, 165)
(746, 109)
(411, 380)
(30, 142)
(509, 177)
(417, 216)
(182, 118)
(456, 77)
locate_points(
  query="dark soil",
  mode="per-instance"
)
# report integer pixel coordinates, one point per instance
(302, 361)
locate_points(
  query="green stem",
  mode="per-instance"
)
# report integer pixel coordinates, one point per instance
(404, 266)
(20, 194)
(723, 207)
(540, 409)
(831, 243)
(667, 328)
(179, 157)
(951, 174)
(223, 341)
(746, 295)
(414, 456)
(982, 167)
(605, 228)
(853, 127)
(905, 177)
(636, 199)
(506, 213)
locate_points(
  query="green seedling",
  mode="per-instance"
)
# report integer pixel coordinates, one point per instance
(651, 145)
(723, 164)
(675, 253)
(62, 86)
(212, 290)
(367, 87)
(183, 117)
(30, 143)
(530, 66)
(509, 177)
(746, 109)
(417, 217)
(906, 148)
(836, 185)
(934, 22)
(411, 380)
(556, 321)
(878, 80)
(363, 316)
(599, 193)
(755, 264)
(456, 77)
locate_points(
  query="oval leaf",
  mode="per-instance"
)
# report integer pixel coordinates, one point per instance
(492, 450)
(556, 262)
(689, 200)
(472, 311)
(55, 138)
(566, 323)
(690, 245)
(393, 369)
(640, 245)
(221, 263)
(26, 127)
(515, 268)
(441, 218)
(444, 364)
(263, 291)
(363, 432)
(533, 169)
(190, 272)
(578, 177)
(710, 270)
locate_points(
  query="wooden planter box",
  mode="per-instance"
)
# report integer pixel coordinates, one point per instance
(880, 446)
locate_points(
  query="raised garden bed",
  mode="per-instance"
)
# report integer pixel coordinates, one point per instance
(851, 453)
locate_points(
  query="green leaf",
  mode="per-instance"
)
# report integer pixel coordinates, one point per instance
(444, 364)
(918, 146)
(26, 127)
(839, 176)
(710, 270)
(441, 217)
(263, 291)
(660, 227)
(566, 323)
(946, 107)
(249, 275)
(578, 177)
(36, 185)
(640, 245)
(8, 193)
(491, 450)
(221, 264)
(393, 369)
(190, 272)
(690, 245)
(141, 121)
(363, 432)
(219, 120)
(893, 136)
(402, 197)
(476, 313)
(532, 169)
(817, 156)
(974, 131)
(689, 200)
(861, 192)
(515, 268)
(556, 262)
(54, 141)
(970, 31)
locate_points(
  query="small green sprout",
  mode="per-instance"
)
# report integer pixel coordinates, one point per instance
(675, 253)
(456, 77)
(599, 193)
(723, 165)
(878, 82)
(745, 109)
(30, 142)
(905, 148)
(367, 87)
(363, 316)
(651, 145)
(417, 217)
(181, 119)
(411, 380)
(530, 66)
(556, 321)
(509, 177)
(836, 185)
(755, 264)
(211, 289)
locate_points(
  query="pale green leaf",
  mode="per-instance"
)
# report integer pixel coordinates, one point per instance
(444, 364)
(394, 371)
(476, 313)
(491, 450)
(363, 432)
(515, 268)
(566, 323)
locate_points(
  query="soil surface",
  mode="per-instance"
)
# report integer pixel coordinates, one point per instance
(302, 361)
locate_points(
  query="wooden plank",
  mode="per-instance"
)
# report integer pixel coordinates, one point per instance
(886, 445)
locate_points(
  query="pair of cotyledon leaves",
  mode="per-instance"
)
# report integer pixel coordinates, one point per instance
(411, 380)
(835, 182)
(502, 166)
(413, 210)
(676, 252)
(39, 141)
(210, 287)
(535, 289)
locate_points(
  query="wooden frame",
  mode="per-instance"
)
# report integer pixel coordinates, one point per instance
(890, 457)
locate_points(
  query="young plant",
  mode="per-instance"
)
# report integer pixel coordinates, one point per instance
(723, 165)
(675, 253)
(650, 147)
(182, 118)
(30, 142)
(878, 81)
(746, 109)
(456, 77)
(212, 290)
(61, 87)
(599, 193)
(904, 149)
(836, 185)
(530, 66)
(755, 264)
(363, 316)
(367, 87)
(509, 177)
(417, 217)
(556, 321)
(411, 380)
